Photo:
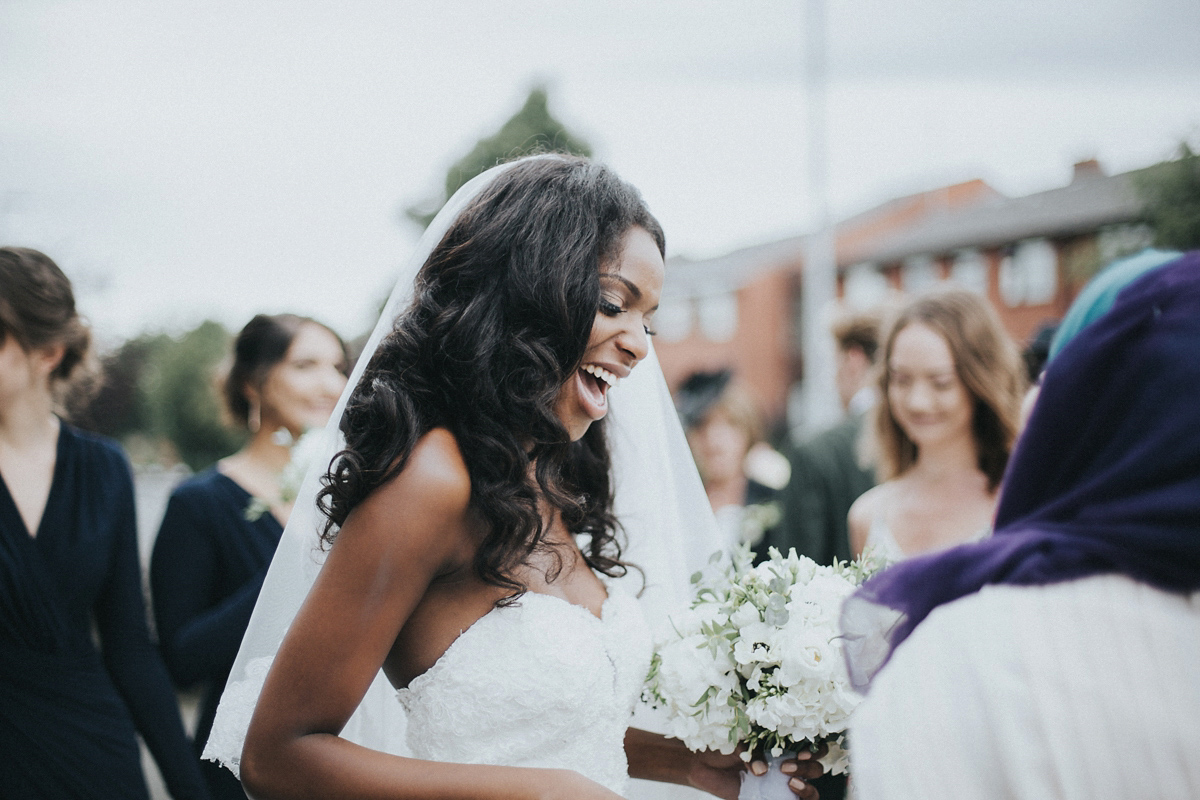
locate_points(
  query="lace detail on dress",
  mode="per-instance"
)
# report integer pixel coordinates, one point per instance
(544, 683)
(225, 742)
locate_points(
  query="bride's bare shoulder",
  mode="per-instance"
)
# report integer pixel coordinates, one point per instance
(429, 498)
(435, 473)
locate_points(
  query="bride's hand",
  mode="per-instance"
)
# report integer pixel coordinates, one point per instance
(802, 770)
(713, 772)
(721, 775)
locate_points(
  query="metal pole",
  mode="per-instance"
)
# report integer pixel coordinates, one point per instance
(818, 281)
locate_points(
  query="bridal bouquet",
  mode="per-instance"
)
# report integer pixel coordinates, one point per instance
(756, 660)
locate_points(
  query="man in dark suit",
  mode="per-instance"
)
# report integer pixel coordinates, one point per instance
(827, 476)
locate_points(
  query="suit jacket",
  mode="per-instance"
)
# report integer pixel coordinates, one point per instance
(826, 480)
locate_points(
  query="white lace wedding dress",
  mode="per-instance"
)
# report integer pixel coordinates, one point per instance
(544, 683)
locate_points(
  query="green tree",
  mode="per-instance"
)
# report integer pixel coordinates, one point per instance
(158, 395)
(181, 393)
(1171, 192)
(531, 130)
(120, 407)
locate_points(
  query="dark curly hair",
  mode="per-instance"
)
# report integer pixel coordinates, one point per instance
(500, 320)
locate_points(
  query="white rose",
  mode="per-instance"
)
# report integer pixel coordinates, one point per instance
(806, 655)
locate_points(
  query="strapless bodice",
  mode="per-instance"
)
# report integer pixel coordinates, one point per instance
(543, 683)
(882, 543)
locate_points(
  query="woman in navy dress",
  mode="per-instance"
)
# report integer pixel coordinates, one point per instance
(221, 526)
(68, 565)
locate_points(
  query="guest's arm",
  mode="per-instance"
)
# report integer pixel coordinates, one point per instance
(130, 655)
(199, 638)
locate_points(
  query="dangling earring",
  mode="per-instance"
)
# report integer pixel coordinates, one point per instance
(283, 437)
(254, 416)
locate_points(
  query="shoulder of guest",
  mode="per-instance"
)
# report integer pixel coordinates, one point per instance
(864, 509)
(102, 450)
(201, 486)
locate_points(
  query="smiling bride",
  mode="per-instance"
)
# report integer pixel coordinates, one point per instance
(490, 541)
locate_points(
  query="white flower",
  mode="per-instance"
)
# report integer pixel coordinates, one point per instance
(756, 658)
(305, 453)
(806, 655)
(837, 760)
(745, 614)
(752, 642)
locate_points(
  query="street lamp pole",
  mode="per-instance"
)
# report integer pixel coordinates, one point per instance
(818, 280)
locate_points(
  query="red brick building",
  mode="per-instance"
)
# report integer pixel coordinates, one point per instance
(1029, 256)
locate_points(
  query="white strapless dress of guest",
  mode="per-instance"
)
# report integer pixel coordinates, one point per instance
(1084, 689)
(882, 542)
(544, 683)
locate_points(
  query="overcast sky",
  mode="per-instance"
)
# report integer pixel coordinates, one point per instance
(186, 160)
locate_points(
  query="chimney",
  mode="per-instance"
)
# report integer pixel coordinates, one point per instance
(1086, 170)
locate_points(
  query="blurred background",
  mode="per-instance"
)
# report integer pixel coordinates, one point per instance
(189, 165)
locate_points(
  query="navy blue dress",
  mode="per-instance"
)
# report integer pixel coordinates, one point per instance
(68, 711)
(208, 566)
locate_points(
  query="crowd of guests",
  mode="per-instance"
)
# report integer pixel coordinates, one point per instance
(72, 701)
(1082, 529)
(931, 394)
(1047, 608)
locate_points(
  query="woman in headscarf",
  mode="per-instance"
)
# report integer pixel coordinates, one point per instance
(1057, 658)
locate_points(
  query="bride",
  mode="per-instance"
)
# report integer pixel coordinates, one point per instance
(473, 524)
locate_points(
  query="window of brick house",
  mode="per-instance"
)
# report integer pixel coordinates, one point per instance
(718, 316)
(675, 318)
(1029, 277)
(969, 270)
(865, 286)
(918, 273)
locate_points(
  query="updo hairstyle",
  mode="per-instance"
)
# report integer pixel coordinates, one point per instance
(260, 345)
(37, 309)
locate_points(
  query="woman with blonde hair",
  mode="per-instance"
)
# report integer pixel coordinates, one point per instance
(950, 383)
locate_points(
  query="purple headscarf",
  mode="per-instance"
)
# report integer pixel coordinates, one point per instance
(1105, 477)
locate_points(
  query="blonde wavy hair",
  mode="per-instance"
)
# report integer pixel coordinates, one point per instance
(986, 361)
